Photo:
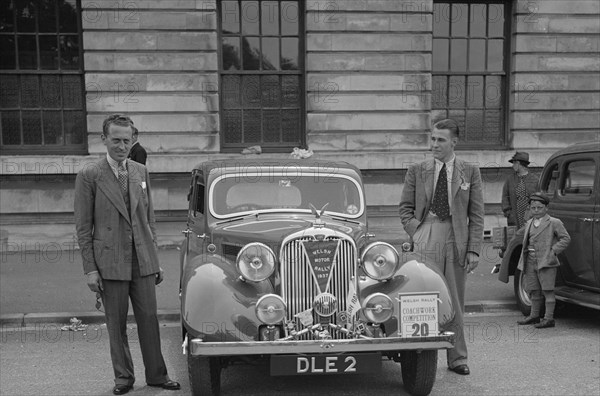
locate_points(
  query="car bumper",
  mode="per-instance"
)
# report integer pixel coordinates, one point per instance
(197, 347)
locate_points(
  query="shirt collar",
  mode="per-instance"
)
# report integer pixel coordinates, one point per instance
(449, 164)
(114, 164)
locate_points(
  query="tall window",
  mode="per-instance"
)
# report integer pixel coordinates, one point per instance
(41, 77)
(261, 74)
(470, 60)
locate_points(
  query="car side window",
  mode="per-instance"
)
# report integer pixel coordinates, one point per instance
(550, 181)
(579, 178)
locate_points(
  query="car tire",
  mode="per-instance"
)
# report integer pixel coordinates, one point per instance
(418, 371)
(205, 375)
(523, 300)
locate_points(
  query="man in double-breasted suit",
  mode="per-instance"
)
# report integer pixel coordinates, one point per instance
(441, 208)
(114, 219)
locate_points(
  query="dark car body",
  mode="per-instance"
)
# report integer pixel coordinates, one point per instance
(571, 181)
(324, 307)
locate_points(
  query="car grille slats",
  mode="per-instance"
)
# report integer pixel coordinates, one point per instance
(298, 285)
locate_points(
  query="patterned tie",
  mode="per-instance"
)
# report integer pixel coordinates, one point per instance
(123, 180)
(440, 205)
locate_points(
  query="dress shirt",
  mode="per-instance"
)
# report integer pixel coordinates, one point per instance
(449, 170)
(114, 165)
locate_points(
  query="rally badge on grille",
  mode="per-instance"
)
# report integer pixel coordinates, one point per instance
(322, 257)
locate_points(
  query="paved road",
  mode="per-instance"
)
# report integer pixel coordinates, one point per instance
(505, 360)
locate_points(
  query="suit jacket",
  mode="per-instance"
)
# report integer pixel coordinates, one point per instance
(467, 203)
(106, 231)
(138, 153)
(552, 238)
(509, 195)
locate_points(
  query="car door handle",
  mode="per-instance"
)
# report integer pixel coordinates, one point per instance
(587, 219)
(186, 232)
(201, 236)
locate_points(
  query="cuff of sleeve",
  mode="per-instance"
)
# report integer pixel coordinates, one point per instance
(91, 272)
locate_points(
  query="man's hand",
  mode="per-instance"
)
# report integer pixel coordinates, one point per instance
(472, 261)
(159, 276)
(94, 282)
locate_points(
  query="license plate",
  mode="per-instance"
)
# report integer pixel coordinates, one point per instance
(355, 363)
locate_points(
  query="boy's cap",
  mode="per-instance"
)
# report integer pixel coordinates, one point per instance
(540, 198)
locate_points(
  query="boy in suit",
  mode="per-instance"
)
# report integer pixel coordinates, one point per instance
(545, 238)
(114, 219)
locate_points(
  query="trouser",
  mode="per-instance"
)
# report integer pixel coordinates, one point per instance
(116, 295)
(434, 241)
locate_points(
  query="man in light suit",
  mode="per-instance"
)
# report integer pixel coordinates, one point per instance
(442, 210)
(114, 219)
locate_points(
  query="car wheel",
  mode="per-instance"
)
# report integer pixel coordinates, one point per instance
(523, 300)
(205, 375)
(418, 371)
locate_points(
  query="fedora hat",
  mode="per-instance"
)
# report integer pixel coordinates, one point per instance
(520, 156)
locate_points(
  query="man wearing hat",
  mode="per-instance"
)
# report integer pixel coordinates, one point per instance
(517, 189)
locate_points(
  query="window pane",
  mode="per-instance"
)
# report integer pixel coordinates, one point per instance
(459, 117)
(30, 91)
(290, 86)
(48, 20)
(478, 20)
(477, 55)
(69, 52)
(230, 17)
(456, 92)
(475, 126)
(231, 91)
(6, 17)
(289, 18)
(493, 126)
(289, 54)
(250, 18)
(271, 125)
(68, 16)
(270, 52)
(441, 20)
(459, 19)
(252, 126)
(458, 51)
(251, 91)
(493, 91)
(439, 99)
(11, 129)
(52, 127)
(232, 120)
(74, 127)
(270, 18)
(25, 16)
(475, 91)
(231, 53)
(495, 55)
(71, 87)
(51, 91)
(9, 91)
(441, 50)
(579, 178)
(32, 127)
(290, 124)
(496, 20)
(27, 52)
(270, 91)
(7, 48)
(251, 53)
(48, 53)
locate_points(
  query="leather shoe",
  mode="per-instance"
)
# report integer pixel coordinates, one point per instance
(461, 369)
(169, 385)
(122, 389)
(529, 320)
(545, 323)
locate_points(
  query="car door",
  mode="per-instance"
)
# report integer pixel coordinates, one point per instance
(575, 202)
(196, 230)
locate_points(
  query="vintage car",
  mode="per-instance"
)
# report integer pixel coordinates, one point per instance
(278, 264)
(571, 181)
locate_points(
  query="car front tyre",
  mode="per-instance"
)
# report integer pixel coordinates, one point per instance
(523, 300)
(205, 375)
(418, 371)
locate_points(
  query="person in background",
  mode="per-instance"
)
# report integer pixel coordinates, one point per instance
(545, 238)
(517, 189)
(137, 152)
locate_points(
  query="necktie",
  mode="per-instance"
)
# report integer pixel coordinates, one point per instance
(522, 201)
(440, 205)
(123, 180)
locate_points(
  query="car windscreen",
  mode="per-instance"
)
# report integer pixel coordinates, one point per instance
(233, 194)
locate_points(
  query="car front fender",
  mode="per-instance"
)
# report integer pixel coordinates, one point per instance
(510, 259)
(216, 304)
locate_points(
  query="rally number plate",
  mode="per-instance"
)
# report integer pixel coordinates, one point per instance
(355, 363)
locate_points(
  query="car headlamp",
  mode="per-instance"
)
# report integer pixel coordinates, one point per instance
(271, 309)
(256, 262)
(380, 260)
(378, 307)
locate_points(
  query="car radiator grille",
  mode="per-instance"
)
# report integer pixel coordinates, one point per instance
(298, 285)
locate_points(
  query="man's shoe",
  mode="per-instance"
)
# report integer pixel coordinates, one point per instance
(545, 323)
(169, 385)
(529, 320)
(122, 389)
(461, 369)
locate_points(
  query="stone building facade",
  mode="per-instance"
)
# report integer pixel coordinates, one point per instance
(361, 81)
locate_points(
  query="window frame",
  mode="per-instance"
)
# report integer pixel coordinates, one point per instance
(57, 149)
(278, 147)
